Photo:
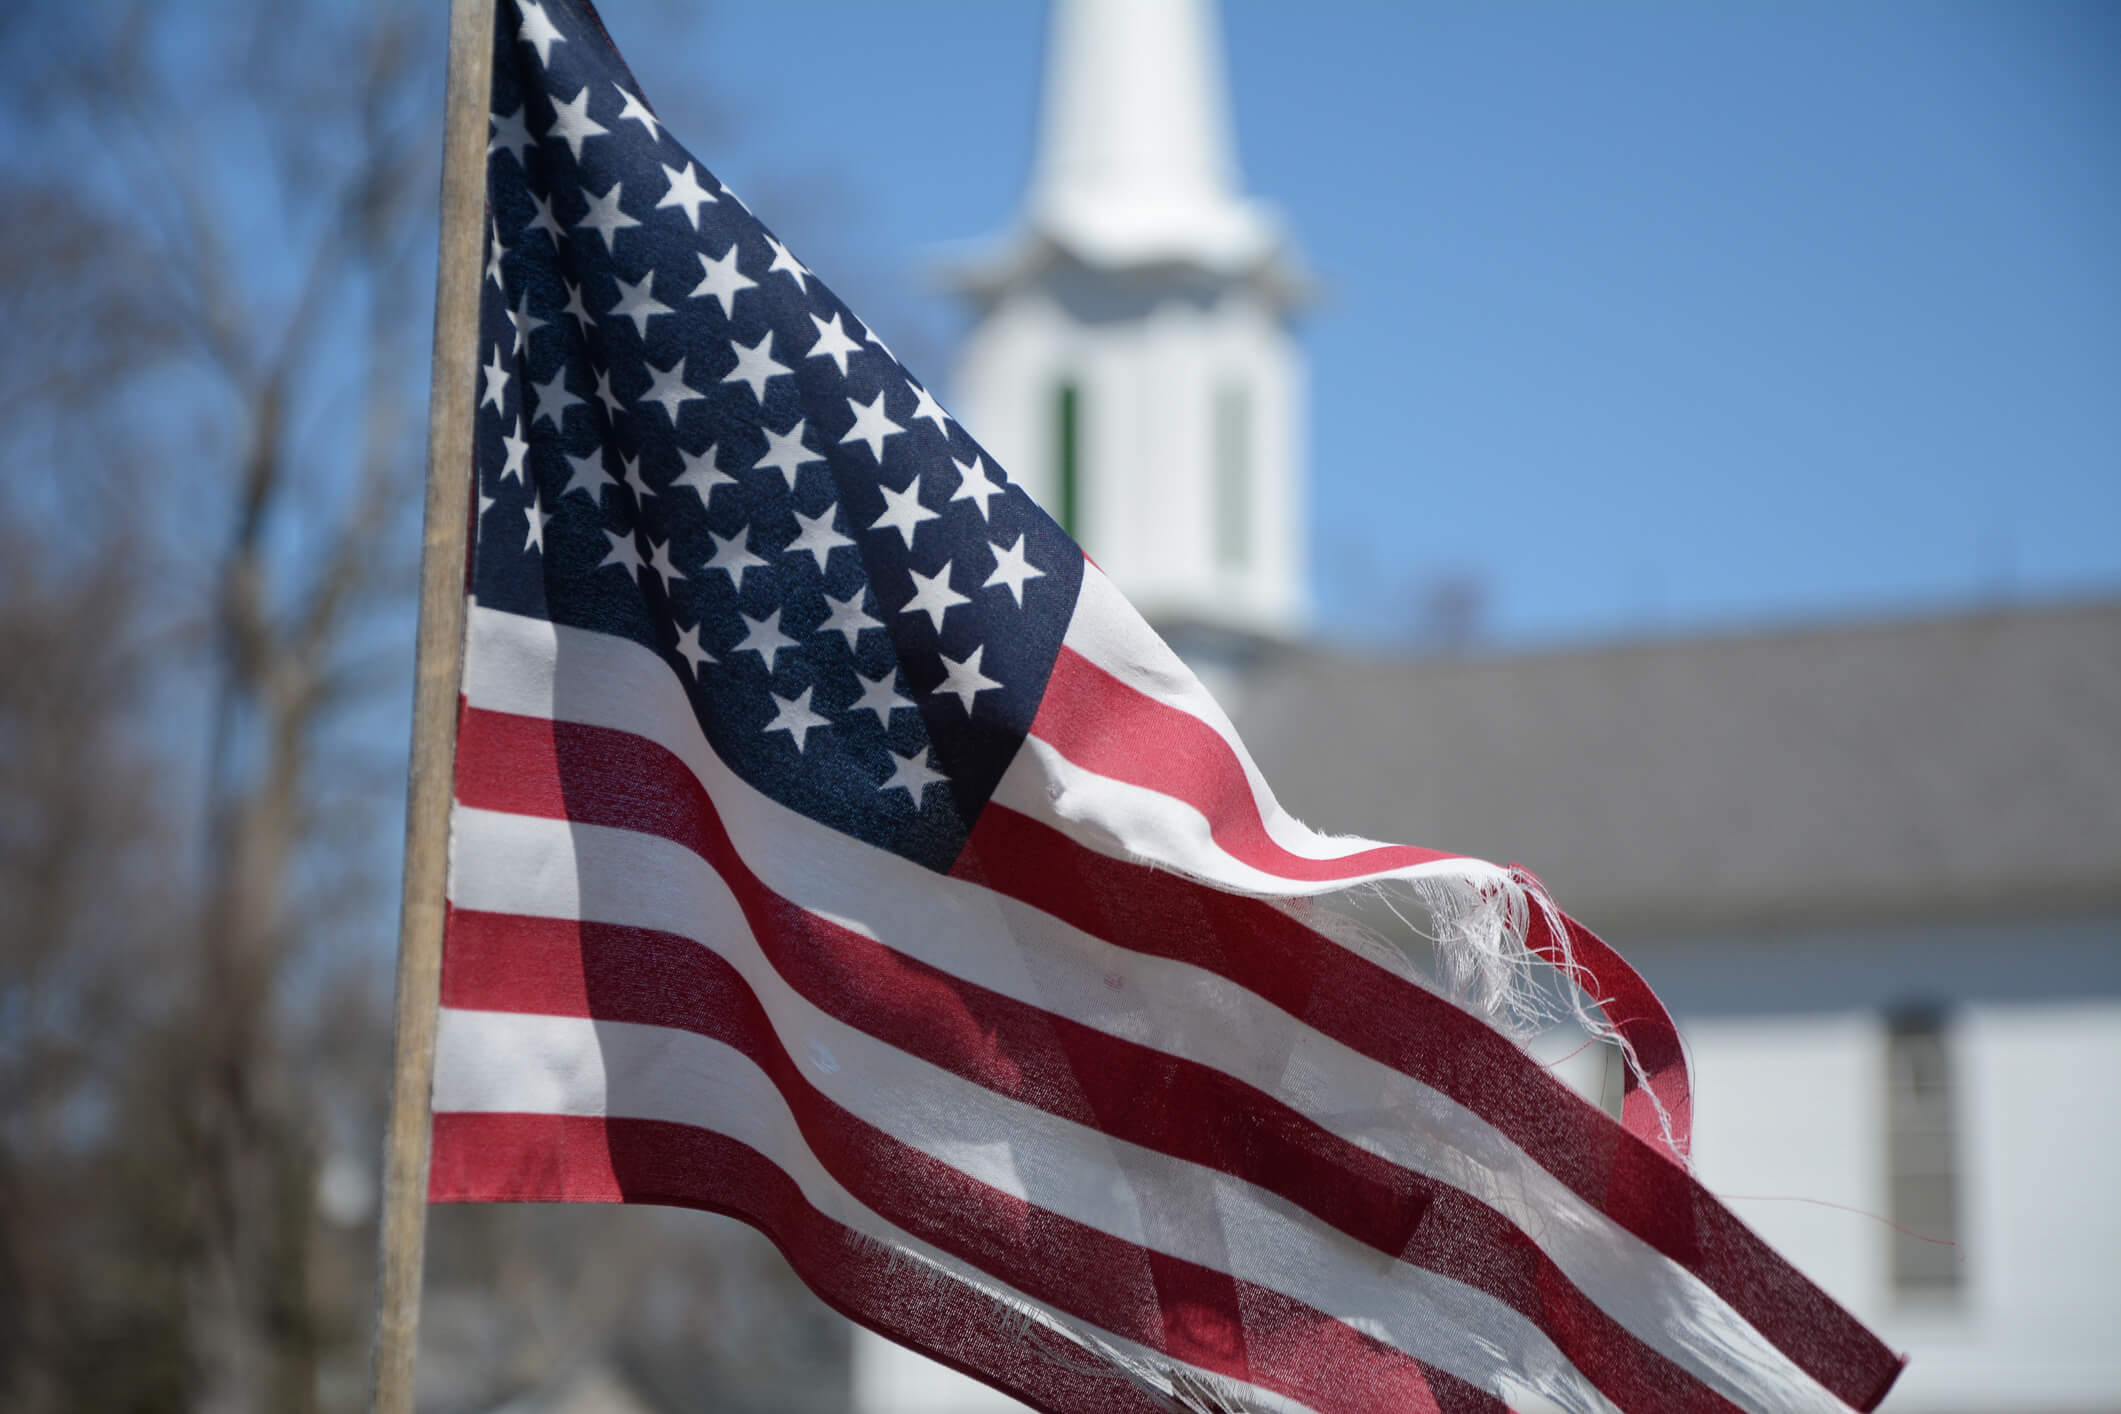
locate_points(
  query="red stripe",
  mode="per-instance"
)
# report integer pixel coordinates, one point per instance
(530, 766)
(1256, 945)
(500, 962)
(533, 1158)
(1116, 730)
(555, 1158)
(1086, 1273)
(1667, 1102)
(1107, 727)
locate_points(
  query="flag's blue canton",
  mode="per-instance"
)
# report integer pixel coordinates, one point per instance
(683, 437)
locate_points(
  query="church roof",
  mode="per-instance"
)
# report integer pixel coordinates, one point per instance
(1889, 771)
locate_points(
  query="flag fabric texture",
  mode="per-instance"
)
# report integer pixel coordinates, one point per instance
(835, 848)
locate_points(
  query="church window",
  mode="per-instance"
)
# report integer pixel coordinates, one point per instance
(1922, 1175)
(1233, 476)
(1067, 420)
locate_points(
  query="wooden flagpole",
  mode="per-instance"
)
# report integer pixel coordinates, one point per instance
(438, 673)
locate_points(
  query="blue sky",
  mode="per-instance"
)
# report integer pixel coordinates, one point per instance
(1650, 317)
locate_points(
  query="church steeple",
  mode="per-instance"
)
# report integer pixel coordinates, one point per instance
(1134, 158)
(1132, 364)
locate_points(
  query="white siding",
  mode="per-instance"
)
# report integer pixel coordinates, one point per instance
(1790, 1105)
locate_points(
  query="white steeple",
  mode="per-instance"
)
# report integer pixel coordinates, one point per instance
(1132, 365)
(1134, 159)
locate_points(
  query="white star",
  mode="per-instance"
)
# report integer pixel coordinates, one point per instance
(516, 446)
(690, 650)
(818, 536)
(722, 280)
(964, 680)
(685, 193)
(630, 473)
(786, 453)
(577, 309)
(911, 774)
(793, 716)
(933, 595)
(496, 386)
(553, 399)
(1012, 569)
(486, 503)
(659, 561)
(509, 134)
(524, 321)
(755, 365)
(880, 695)
(604, 216)
(782, 260)
(536, 514)
(847, 617)
(976, 486)
(925, 405)
(638, 302)
(537, 30)
(871, 425)
(572, 124)
(612, 406)
(764, 637)
(638, 111)
(832, 342)
(623, 553)
(494, 251)
(542, 220)
(732, 556)
(589, 477)
(701, 475)
(667, 386)
(902, 511)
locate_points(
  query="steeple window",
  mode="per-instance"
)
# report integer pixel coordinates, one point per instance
(1232, 441)
(1067, 454)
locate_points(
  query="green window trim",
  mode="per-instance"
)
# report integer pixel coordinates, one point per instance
(1068, 458)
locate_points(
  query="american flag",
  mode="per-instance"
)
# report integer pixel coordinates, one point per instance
(834, 847)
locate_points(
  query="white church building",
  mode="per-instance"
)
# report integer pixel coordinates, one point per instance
(1875, 871)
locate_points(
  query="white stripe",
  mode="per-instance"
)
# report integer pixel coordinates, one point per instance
(1122, 820)
(1112, 634)
(647, 1072)
(503, 1063)
(552, 868)
(1016, 951)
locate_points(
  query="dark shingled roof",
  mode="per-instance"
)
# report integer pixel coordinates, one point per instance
(1891, 771)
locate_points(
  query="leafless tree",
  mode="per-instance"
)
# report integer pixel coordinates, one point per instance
(215, 274)
(237, 205)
